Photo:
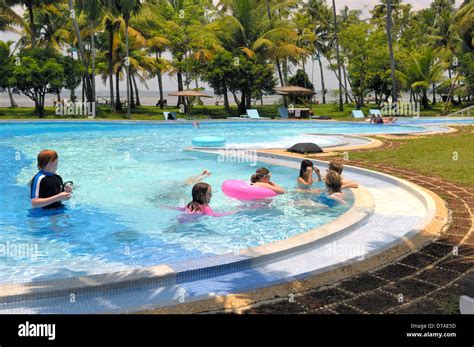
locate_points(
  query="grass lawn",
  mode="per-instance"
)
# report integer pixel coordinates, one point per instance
(447, 156)
(202, 112)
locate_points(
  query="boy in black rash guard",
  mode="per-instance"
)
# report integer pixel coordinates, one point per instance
(47, 190)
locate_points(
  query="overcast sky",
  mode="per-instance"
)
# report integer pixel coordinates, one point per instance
(170, 83)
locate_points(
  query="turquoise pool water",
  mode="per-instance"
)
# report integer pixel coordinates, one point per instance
(125, 175)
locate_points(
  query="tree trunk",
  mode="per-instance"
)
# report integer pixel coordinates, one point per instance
(127, 68)
(345, 84)
(434, 94)
(390, 48)
(111, 71)
(32, 25)
(118, 104)
(341, 107)
(424, 100)
(72, 95)
(160, 81)
(132, 98)
(242, 106)
(94, 99)
(82, 54)
(137, 96)
(180, 86)
(322, 78)
(226, 100)
(13, 104)
(83, 88)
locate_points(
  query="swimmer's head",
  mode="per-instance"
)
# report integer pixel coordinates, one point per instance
(261, 175)
(336, 166)
(201, 193)
(333, 182)
(304, 166)
(48, 160)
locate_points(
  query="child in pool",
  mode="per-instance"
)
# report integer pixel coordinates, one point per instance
(338, 167)
(47, 188)
(202, 194)
(261, 178)
(333, 194)
(305, 179)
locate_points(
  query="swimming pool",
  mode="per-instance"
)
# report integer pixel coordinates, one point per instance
(126, 176)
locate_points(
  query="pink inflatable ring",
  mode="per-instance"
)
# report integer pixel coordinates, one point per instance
(244, 191)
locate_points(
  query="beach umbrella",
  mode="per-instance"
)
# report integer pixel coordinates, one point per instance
(189, 96)
(293, 91)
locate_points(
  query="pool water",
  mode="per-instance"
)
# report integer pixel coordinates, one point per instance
(126, 177)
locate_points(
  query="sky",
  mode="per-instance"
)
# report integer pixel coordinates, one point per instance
(170, 83)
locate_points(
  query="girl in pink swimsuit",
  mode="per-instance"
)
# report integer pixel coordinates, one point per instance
(202, 193)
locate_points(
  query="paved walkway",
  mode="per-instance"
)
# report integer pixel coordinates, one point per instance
(425, 281)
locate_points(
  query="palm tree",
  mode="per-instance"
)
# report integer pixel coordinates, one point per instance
(30, 6)
(390, 49)
(94, 10)
(82, 53)
(241, 31)
(111, 26)
(462, 21)
(341, 107)
(421, 70)
(9, 18)
(127, 8)
(320, 19)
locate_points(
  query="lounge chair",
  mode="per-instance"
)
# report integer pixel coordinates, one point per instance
(251, 114)
(170, 115)
(358, 114)
(283, 111)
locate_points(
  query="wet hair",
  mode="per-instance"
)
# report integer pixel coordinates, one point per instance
(333, 182)
(259, 174)
(336, 166)
(199, 197)
(304, 165)
(45, 157)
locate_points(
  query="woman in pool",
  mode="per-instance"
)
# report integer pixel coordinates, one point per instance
(333, 194)
(261, 178)
(305, 179)
(202, 194)
(47, 188)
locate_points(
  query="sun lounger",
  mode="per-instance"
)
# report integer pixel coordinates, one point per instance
(170, 115)
(358, 114)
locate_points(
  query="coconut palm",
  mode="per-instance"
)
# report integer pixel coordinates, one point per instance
(463, 20)
(341, 107)
(30, 5)
(420, 70)
(82, 53)
(127, 9)
(9, 18)
(94, 10)
(111, 26)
